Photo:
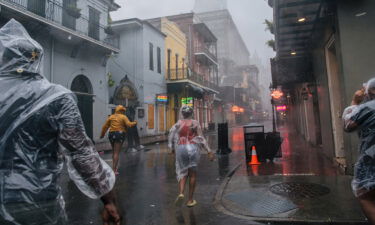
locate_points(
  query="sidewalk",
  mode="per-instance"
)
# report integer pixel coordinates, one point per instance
(303, 186)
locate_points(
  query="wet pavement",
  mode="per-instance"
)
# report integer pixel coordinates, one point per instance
(302, 186)
(147, 187)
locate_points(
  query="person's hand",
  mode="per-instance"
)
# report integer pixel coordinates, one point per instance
(110, 214)
(211, 156)
(358, 97)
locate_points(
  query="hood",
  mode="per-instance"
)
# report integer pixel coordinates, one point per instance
(19, 53)
(120, 109)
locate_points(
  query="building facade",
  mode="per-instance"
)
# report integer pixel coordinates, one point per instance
(175, 61)
(195, 84)
(138, 73)
(233, 60)
(323, 57)
(75, 37)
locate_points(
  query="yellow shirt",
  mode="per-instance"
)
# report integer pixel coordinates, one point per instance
(117, 122)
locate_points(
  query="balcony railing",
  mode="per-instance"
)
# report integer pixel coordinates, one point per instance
(72, 19)
(187, 74)
(205, 50)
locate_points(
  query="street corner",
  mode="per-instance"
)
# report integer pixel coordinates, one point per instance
(277, 199)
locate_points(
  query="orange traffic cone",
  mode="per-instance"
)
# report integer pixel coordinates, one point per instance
(254, 157)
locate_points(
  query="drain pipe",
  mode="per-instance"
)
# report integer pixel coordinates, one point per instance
(52, 60)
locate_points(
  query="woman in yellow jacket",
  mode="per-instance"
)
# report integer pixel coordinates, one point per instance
(117, 124)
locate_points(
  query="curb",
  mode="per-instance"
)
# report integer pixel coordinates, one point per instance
(261, 220)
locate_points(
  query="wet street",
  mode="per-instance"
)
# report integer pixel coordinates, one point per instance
(147, 187)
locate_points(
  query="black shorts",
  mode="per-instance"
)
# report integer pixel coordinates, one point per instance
(116, 136)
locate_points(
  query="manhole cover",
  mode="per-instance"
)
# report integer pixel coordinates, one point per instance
(260, 204)
(299, 190)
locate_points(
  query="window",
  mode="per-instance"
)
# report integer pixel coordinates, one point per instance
(94, 18)
(151, 52)
(169, 62)
(159, 60)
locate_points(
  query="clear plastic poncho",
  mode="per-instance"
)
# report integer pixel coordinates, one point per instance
(186, 139)
(362, 118)
(40, 126)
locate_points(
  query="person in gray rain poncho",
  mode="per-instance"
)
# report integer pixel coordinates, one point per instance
(361, 116)
(39, 125)
(186, 139)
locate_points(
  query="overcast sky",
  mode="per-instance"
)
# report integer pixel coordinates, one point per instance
(248, 15)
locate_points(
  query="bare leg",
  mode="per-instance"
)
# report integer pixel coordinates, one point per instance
(182, 183)
(368, 205)
(192, 182)
(116, 152)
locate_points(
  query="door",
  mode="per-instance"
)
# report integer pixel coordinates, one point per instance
(335, 97)
(85, 106)
(161, 110)
(151, 119)
(82, 87)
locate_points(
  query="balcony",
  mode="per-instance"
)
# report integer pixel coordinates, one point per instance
(186, 75)
(205, 55)
(62, 19)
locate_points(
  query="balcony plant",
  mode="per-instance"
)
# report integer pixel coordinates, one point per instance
(108, 30)
(111, 82)
(73, 11)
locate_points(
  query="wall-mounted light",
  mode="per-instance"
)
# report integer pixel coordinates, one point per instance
(70, 37)
(293, 53)
(301, 18)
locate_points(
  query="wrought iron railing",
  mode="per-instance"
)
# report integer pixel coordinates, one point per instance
(69, 17)
(188, 74)
(205, 50)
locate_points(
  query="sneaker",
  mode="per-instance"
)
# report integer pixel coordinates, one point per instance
(140, 147)
(133, 150)
(192, 204)
(179, 200)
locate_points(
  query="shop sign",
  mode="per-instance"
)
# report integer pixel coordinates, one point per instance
(187, 101)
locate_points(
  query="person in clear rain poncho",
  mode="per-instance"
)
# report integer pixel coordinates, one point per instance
(186, 139)
(40, 126)
(360, 116)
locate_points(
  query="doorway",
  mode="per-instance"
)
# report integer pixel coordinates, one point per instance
(335, 97)
(82, 88)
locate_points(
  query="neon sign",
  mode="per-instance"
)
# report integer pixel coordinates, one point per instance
(281, 108)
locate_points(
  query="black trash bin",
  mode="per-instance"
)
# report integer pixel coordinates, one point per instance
(273, 145)
(254, 136)
(223, 144)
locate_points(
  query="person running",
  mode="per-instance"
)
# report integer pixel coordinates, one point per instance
(40, 129)
(117, 124)
(361, 116)
(186, 139)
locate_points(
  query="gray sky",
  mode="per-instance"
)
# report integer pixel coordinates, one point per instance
(248, 15)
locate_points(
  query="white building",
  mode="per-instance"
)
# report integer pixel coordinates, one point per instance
(77, 43)
(138, 73)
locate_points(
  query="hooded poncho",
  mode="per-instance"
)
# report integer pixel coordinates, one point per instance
(40, 124)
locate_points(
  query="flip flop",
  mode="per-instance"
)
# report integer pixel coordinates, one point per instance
(179, 200)
(192, 204)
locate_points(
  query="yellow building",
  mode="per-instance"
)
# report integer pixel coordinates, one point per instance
(175, 64)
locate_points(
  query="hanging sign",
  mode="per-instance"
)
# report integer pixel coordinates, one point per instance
(187, 101)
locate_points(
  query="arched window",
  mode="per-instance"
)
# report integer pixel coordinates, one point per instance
(81, 84)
